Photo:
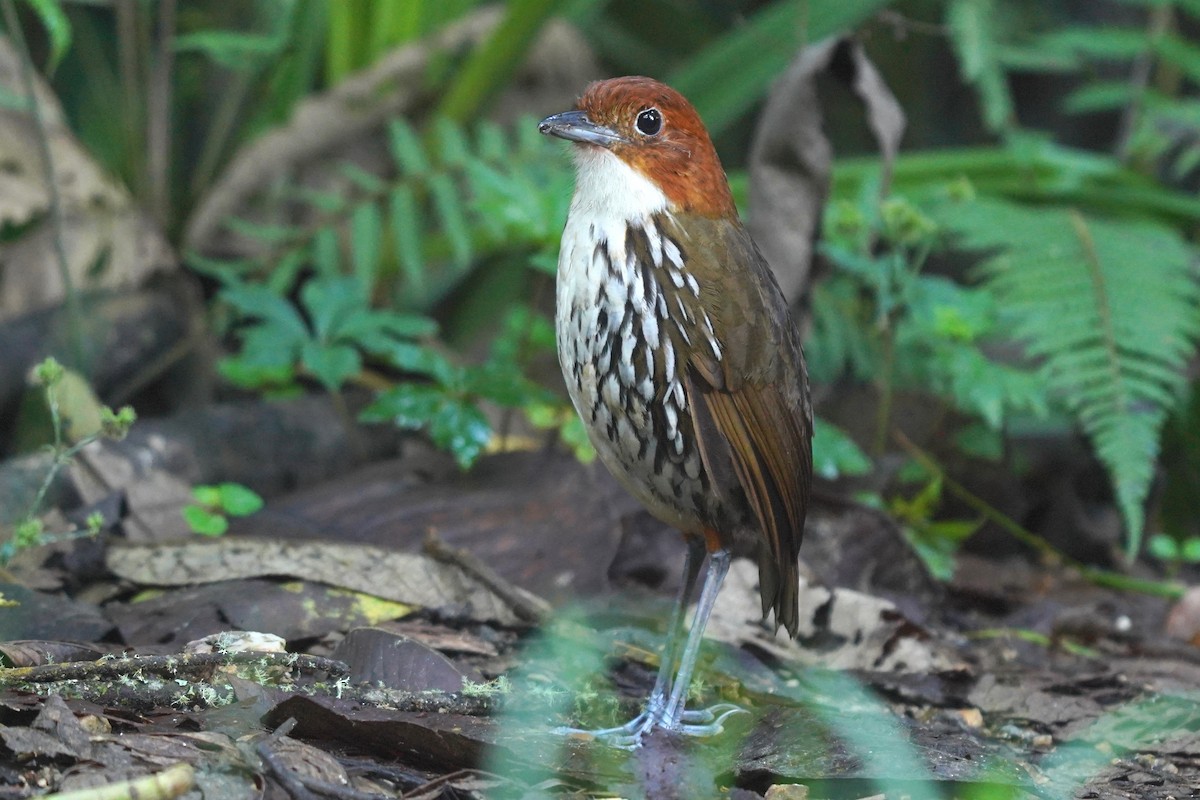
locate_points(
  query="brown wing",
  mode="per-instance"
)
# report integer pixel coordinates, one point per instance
(750, 406)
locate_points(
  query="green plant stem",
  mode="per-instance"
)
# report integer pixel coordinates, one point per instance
(74, 306)
(1158, 23)
(224, 122)
(1034, 177)
(491, 64)
(1100, 577)
(127, 60)
(883, 416)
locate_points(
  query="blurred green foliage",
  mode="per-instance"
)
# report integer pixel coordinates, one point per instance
(1080, 304)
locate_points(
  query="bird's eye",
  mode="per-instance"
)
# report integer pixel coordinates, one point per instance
(649, 121)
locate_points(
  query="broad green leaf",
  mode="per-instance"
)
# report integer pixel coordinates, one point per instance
(408, 405)
(1099, 96)
(413, 358)
(1097, 42)
(331, 364)
(205, 522)
(330, 302)
(237, 500)
(835, 454)
(208, 496)
(374, 329)
(1163, 547)
(249, 375)
(1190, 551)
(462, 429)
(58, 27)
(261, 303)
(1180, 53)
(243, 52)
(503, 384)
(270, 346)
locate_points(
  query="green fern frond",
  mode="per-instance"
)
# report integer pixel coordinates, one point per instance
(454, 197)
(1112, 309)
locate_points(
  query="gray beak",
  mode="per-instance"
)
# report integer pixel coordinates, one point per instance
(574, 126)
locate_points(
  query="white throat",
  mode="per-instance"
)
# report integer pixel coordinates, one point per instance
(606, 188)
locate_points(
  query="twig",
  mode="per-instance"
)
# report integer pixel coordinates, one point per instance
(425, 789)
(74, 308)
(168, 666)
(1100, 577)
(287, 778)
(174, 781)
(525, 605)
(430, 702)
(297, 784)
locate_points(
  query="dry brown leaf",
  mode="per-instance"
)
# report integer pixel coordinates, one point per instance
(791, 159)
(100, 222)
(403, 577)
(872, 633)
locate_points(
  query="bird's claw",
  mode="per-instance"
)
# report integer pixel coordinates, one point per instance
(701, 722)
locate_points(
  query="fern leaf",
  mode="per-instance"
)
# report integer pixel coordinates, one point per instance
(406, 238)
(1111, 307)
(971, 24)
(407, 150)
(453, 149)
(366, 240)
(449, 208)
(326, 252)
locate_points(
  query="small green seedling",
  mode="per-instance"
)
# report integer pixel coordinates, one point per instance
(215, 504)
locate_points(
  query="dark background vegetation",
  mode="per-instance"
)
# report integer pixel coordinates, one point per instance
(297, 236)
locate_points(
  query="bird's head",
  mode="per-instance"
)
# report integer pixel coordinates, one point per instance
(652, 130)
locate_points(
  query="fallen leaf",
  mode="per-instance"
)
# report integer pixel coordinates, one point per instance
(791, 159)
(407, 578)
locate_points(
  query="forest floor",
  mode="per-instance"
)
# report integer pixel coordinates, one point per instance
(448, 622)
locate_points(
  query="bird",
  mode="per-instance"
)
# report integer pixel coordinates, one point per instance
(682, 358)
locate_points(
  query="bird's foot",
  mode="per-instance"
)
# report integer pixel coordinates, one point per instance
(702, 722)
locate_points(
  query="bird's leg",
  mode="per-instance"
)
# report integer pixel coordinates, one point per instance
(693, 559)
(672, 716)
(666, 667)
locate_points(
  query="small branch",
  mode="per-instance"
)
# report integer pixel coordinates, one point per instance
(167, 666)
(1100, 577)
(289, 779)
(526, 605)
(429, 702)
(174, 781)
